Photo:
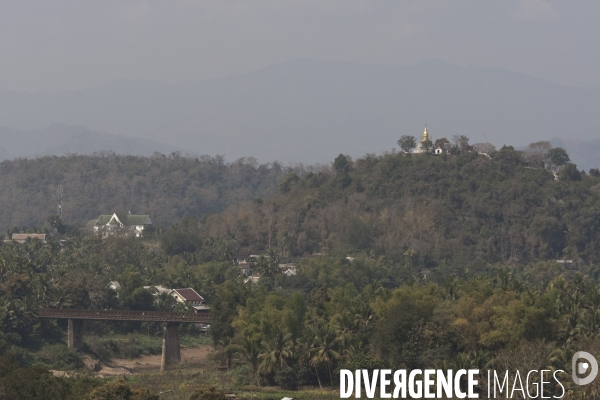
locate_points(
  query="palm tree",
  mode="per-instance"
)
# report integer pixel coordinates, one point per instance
(267, 265)
(560, 358)
(462, 361)
(227, 349)
(164, 302)
(452, 288)
(372, 289)
(503, 279)
(252, 350)
(345, 327)
(19, 315)
(323, 349)
(591, 322)
(363, 315)
(307, 349)
(276, 353)
(285, 241)
(479, 359)
(571, 328)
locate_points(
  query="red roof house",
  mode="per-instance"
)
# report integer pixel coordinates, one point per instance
(187, 296)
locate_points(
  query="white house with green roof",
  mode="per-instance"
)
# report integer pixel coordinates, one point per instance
(125, 224)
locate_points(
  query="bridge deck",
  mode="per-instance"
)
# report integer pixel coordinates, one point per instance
(112, 315)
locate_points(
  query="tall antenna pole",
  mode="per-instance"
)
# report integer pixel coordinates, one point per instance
(485, 136)
(59, 198)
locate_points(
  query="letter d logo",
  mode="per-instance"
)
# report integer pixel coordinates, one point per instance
(580, 368)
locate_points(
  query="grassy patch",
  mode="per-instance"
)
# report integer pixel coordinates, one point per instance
(195, 341)
(123, 346)
(181, 382)
(134, 345)
(59, 357)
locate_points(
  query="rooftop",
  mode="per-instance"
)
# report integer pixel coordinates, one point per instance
(124, 218)
(22, 237)
(189, 294)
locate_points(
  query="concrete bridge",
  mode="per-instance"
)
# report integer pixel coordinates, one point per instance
(171, 353)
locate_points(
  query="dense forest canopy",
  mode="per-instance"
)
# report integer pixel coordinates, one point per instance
(167, 188)
(300, 330)
(464, 210)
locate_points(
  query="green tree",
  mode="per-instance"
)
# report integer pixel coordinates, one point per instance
(267, 265)
(323, 349)
(141, 299)
(55, 222)
(461, 142)
(557, 157)
(537, 152)
(252, 347)
(76, 295)
(178, 240)
(426, 145)
(276, 354)
(227, 349)
(17, 285)
(407, 143)
(288, 182)
(30, 383)
(569, 173)
(341, 165)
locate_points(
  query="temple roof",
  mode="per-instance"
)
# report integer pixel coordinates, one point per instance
(425, 135)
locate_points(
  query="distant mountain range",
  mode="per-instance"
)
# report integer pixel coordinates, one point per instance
(60, 139)
(309, 111)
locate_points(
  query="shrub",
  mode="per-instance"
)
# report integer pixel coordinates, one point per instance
(60, 357)
(120, 390)
(208, 393)
(130, 346)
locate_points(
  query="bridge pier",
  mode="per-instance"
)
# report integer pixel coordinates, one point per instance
(171, 354)
(75, 334)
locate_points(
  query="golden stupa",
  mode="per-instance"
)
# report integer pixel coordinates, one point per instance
(425, 135)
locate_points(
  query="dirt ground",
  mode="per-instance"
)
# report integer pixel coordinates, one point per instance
(143, 364)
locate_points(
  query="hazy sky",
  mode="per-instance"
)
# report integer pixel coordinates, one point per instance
(72, 44)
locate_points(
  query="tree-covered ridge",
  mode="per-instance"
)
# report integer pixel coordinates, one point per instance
(464, 210)
(452, 266)
(167, 188)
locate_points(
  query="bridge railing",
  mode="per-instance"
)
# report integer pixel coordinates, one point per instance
(125, 315)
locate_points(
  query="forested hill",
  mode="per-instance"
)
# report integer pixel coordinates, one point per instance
(167, 188)
(464, 210)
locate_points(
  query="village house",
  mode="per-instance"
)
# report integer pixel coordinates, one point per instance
(442, 146)
(22, 237)
(287, 269)
(254, 279)
(114, 285)
(242, 258)
(246, 269)
(125, 224)
(158, 290)
(189, 297)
